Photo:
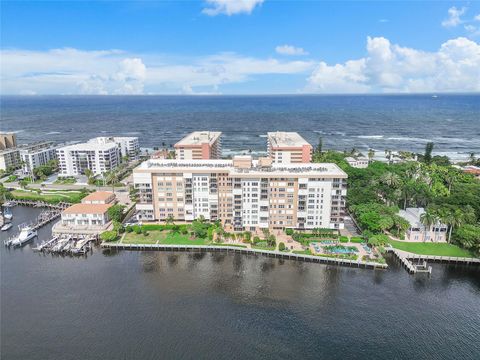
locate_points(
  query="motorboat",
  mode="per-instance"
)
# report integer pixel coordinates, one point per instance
(7, 214)
(6, 226)
(26, 234)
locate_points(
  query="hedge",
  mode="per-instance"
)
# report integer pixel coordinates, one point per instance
(343, 239)
(357, 239)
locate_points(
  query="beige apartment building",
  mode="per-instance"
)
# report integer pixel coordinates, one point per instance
(244, 194)
(199, 145)
(288, 147)
(8, 140)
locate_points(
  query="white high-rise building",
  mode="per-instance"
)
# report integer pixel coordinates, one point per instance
(36, 155)
(100, 154)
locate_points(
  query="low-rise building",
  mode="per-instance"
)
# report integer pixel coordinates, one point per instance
(88, 217)
(36, 155)
(419, 232)
(243, 193)
(8, 140)
(473, 170)
(288, 148)
(199, 145)
(360, 162)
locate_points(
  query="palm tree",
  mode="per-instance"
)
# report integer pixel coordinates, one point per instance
(456, 220)
(390, 179)
(427, 219)
(112, 179)
(472, 158)
(371, 154)
(169, 220)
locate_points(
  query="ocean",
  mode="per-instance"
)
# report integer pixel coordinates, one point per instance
(170, 305)
(394, 122)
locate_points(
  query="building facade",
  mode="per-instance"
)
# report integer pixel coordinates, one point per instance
(35, 155)
(8, 140)
(129, 146)
(9, 159)
(199, 145)
(419, 232)
(360, 163)
(98, 157)
(288, 148)
(244, 194)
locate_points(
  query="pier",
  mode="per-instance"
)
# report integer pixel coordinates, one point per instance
(239, 250)
(60, 206)
(415, 263)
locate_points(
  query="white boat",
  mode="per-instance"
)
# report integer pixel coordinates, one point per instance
(8, 214)
(6, 226)
(26, 234)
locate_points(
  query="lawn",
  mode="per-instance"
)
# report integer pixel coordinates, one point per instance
(65, 196)
(163, 237)
(436, 249)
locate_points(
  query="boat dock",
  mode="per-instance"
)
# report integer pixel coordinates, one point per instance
(60, 206)
(239, 250)
(415, 263)
(66, 244)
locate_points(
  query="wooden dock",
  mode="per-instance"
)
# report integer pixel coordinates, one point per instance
(43, 204)
(408, 260)
(239, 250)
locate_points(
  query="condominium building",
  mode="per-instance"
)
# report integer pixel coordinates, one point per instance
(288, 147)
(98, 157)
(36, 155)
(9, 159)
(100, 154)
(199, 145)
(128, 145)
(8, 140)
(244, 194)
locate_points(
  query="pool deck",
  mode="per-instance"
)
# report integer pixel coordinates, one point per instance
(232, 249)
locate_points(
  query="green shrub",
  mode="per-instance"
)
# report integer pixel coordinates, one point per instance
(356, 239)
(128, 229)
(281, 246)
(109, 236)
(137, 229)
(343, 239)
(377, 240)
(145, 232)
(289, 232)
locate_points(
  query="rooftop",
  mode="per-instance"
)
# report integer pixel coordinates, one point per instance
(90, 145)
(281, 139)
(87, 209)
(315, 169)
(99, 196)
(199, 137)
(412, 215)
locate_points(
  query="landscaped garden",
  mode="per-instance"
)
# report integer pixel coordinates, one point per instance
(49, 196)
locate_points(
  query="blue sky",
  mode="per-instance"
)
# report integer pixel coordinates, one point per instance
(239, 46)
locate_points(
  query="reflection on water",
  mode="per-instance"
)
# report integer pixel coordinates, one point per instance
(150, 305)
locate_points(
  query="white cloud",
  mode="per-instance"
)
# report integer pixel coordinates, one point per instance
(477, 17)
(230, 7)
(383, 20)
(392, 68)
(454, 17)
(72, 71)
(290, 50)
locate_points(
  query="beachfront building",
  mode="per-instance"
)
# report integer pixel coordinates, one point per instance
(199, 145)
(244, 194)
(288, 148)
(88, 217)
(96, 155)
(9, 159)
(35, 155)
(419, 232)
(8, 140)
(473, 170)
(129, 145)
(360, 163)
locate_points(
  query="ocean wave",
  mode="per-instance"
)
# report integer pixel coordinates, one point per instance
(408, 139)
(53, 133)
(370, 136)
(263, 136)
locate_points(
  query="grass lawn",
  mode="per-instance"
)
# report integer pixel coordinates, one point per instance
(436, 249)
(262, 245)
(302, 252)
(72, 197)
(163, 237)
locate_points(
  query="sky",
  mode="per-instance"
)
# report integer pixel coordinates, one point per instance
(239, 47)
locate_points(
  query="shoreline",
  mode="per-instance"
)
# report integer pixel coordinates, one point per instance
(245, 251)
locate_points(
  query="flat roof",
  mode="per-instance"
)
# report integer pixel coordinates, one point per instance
(98, 196)
(90, 146)
(87, 209)
(199, 137)
(214, 165)
(282, 139)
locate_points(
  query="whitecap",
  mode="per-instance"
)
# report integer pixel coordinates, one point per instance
(370, 136)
